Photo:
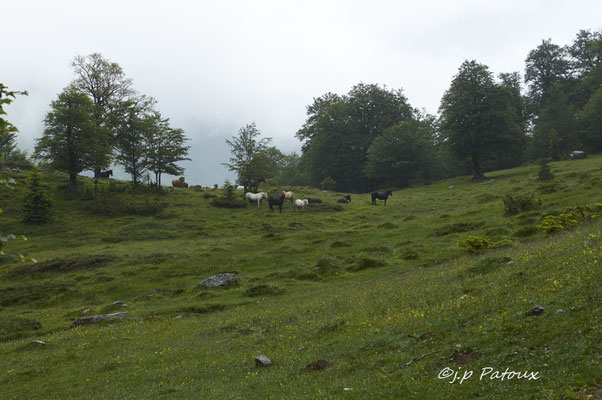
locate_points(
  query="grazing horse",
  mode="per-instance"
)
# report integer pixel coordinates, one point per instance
(276, 201)
(344, 199)
(381, 196)
(253, 184)
(300, 204)
(314, 201)
(289, 196)
(256, 197)
(105, 174)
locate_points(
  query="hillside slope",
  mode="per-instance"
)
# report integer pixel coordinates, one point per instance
(384, 294)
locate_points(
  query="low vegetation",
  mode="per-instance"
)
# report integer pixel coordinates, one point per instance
(357, 301)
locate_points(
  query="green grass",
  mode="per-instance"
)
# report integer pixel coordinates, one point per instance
(383, 293)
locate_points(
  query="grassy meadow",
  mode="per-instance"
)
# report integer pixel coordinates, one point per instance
(383, 294)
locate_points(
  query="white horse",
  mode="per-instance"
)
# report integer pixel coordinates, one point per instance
(256, 197)
(240, 187)
(300, 204)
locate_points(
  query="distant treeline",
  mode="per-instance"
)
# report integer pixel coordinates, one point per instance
(372, 138)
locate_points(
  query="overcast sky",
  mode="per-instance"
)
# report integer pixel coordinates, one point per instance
(214, 66)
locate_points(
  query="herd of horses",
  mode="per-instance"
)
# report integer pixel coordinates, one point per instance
(303, 203)
(251, 186)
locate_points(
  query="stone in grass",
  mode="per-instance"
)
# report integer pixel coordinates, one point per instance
(537, 310)
(316, 366)
(262, 361)
(38, 342)
(119, 304)
(97, 318)
(221, 279)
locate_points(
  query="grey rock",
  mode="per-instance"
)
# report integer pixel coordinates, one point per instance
(221, 279)
(559, 311)
(537, 310)
(120, 304)
(40, 342)
(488, 182)
(97, 318)
(262, 361)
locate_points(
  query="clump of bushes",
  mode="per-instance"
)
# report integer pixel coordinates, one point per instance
(478, 244)
(37, 206)
(328, 184)
(229, 199)
(516, 204)
(556, 223)
(545, 173)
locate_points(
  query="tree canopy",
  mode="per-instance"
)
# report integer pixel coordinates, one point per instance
(477, 117)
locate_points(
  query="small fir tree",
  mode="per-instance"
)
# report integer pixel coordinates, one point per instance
(37, 206)
(545, 173)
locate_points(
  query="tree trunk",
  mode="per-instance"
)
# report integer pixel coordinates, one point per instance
(73, 182)
(477, 173)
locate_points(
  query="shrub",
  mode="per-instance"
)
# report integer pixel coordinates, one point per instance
(229, 199)
(37, 206)
(474, 244)
(556, 223)
(225, 203)
(545, 173)
(516, 204)
(328, 184)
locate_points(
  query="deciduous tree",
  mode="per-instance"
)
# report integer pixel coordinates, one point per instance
(246, 148)
(477, 117)
(72, 137)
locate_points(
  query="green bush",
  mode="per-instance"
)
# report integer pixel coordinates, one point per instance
(516, 204)
(229, 199)
(37, 206)
(328, 184)
(545, 173)
(474, 244)
(559, 222)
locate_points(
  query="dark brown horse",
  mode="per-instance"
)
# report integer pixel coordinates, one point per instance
(381, 196)
(252, 185)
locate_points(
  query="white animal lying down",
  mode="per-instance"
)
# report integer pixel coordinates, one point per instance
(256, 197)
(300, 204)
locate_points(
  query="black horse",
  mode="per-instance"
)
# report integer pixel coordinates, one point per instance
(252, 185)
(344, 199)
(314, 201)
(381, 196)
(276, 201)
(105, 174)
